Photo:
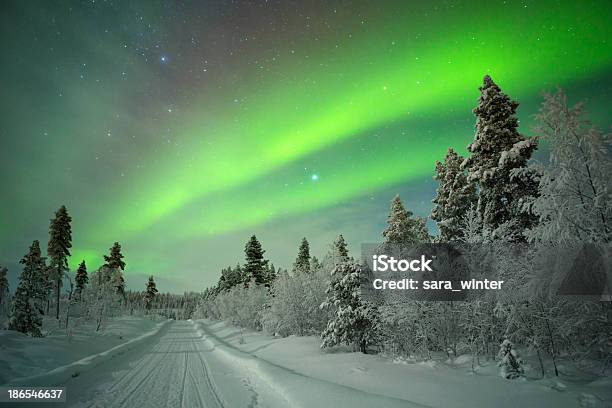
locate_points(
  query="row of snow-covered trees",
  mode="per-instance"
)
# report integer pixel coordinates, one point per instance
(39, 291)
(497, 196)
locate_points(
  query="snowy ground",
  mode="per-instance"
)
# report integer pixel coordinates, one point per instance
(426, 384)
(24, 356)
(211, 364)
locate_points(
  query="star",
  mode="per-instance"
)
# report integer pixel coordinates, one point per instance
(163, 59)
(314, 177)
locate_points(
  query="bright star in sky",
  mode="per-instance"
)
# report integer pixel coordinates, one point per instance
(163, 59)
(314, 177)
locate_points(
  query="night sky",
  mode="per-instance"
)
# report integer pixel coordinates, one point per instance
(182, 128)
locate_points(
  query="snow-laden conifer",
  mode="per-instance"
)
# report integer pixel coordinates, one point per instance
(454, 196)
(58, 249)
(354, 320)
(498, 163)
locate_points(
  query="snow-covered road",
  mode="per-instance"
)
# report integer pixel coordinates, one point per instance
(184, 367)
(173, 373)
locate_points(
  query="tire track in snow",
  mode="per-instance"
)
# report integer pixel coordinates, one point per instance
(209, 380)
(172, 374)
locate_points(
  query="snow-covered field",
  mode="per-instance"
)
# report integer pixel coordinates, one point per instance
(208, 363)
(22, 356)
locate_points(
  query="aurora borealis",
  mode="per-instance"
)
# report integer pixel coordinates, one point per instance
(181, 128)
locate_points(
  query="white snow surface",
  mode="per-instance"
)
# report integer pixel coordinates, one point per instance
(27, 359)
(212, 364)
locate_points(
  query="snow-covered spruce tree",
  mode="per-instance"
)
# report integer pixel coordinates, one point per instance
(255, 265)
(58, 250)
(81, 279)
(354, 321)
(498, 163)
(402, 227)
(36, 272)
(575, 203)
(114, 262)
(150, 292)
(27, 305)
(336, 255)
(230, 277)
(271, 274)
(454, 196)
(24, 317)
(510, 362)
(302, 262)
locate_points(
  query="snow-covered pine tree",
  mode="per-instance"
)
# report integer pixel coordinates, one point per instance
(341, 249)
(270, 274)
(150, 292)
(58, 249)
(454, 196)
(510, 362)
(24, 317)
(255, 264)
(302, 262)
(498, 163)
(402, 228)
(337, 254)
(576, 199)
(27, 305)
(114, 262)
(81, 279)
(230, 277)
(36, 272)
(354, 321)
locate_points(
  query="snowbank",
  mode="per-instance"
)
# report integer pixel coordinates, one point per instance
(413, 383)
(55, 358)
(278, 386)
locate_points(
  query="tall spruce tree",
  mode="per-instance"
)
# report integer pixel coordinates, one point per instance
(35, 272)
(498, 163)
(58, 249)
(150, 292)
(114, 262)
(27, 305)
(454, 197)
(302, 262)
(81, 278)
(402, 227)
(255, 264)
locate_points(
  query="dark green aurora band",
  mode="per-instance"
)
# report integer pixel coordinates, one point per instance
(179, 128)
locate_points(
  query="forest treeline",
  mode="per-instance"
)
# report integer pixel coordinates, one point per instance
(498, 194)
